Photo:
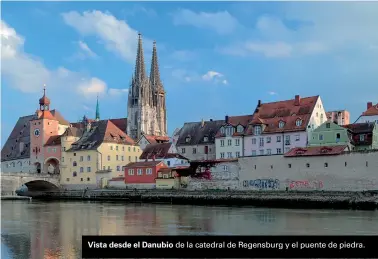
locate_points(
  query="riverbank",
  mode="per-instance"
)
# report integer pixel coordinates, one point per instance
(15, 198)
(278, 199)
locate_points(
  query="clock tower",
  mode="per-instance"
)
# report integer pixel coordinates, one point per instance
(42, 127)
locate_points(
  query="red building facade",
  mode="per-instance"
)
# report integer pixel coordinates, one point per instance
(143, 172)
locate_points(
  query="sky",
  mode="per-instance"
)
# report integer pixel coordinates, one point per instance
(216, 58)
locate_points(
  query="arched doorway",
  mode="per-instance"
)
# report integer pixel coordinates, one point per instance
(37, 167)
(51, 166)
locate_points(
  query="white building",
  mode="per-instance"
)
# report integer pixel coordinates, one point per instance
(370, 115)
(230, 137)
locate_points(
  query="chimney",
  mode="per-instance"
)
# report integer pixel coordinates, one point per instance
(259, 103)
(202, 123)
(226, 119)
(369, 105)
(297, 100)
(211, 119)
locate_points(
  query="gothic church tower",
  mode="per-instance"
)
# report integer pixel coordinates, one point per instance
(146, 110)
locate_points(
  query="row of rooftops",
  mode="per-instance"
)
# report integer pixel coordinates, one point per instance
(269, 118)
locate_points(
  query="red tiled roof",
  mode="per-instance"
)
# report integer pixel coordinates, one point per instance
(53, 141)
(215, 160)
(270, 115)
(156, 139)
(373, 110)
(47, 115)
(121, 123)
(316, 151)
(234, 121)
(143, 164)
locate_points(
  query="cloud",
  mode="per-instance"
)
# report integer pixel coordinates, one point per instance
(117, 36)
(221, 22)
(87, 51)
(118, 92)
(310, 29)
(272, 93)
(214, 76)
(28, 74)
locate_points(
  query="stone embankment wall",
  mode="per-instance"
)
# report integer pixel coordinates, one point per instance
(354, 171)
(292, 199)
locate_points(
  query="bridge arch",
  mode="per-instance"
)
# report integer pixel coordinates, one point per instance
(41, 185)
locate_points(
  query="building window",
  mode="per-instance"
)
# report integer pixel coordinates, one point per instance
(229, 154)
(111, 147)
(307, 165)
(362, 137)
(320, 136)
(183, 150)
(298, 122)
(328, 125)
(123, 148)
(268, 139)
(222, 130)
(140, 171)
(134, 149)
(67, 179)
(261, 142)
(237, 154)
(261, 152)
(169, 163)
(88, 158)
(253, 141)
(240, 128)
(136, 159)
(108, 158)
(237, 142)
(74, 174)
(367, 163)
(222, 143)
(81, 179)
(116, 157)
(88, 169)
(74, 154)
(229, 142)
(325, 164)
(279, 151)
(287, 140)
(62, 159)
(131, 171)
(281, 124)
(278, 138)
(225, 168)
(64, 148)
(229, 131)
(289, 165)
(222, 154)
(297, 137)
(118, 168)
(117, 148)
(257, 130)
(129, 149)
(122, 158)
(268, 151)
(74, 163)
(287, 149)
(194, 150)
(129, 158)
(81, 169)
(317, 114)
(149, 170)
(81, 158)
(88, 179)
(253, 152)
(205, 139)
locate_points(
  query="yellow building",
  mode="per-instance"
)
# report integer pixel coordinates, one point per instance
(92, 150)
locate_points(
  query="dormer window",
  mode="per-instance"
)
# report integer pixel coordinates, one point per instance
(298, 123)
(240, 128)
(205, 139)
(257, 130)
(230, 131)
(281, 124)
(187, 139)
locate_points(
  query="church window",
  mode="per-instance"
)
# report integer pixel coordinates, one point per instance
(74, 163)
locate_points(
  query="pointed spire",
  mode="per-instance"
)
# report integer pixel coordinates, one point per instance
(140, 71)
(154, 73)
(97, 110)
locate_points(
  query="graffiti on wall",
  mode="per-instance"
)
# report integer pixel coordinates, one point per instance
(305, 184)
(262, 183)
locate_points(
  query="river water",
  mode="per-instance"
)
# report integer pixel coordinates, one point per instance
(53, 229)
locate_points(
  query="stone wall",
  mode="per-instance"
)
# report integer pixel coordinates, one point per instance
(352, 171)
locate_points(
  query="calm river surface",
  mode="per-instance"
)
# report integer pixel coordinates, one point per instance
(53, 229)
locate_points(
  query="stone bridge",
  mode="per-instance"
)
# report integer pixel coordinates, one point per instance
(10, 182)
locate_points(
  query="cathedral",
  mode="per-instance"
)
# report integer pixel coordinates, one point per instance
(146, 107)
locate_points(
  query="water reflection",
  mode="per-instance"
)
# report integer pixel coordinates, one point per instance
(54, 229)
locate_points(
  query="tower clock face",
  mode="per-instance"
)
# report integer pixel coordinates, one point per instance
(36, 132)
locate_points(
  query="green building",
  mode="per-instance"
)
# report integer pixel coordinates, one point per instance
(330, 134)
